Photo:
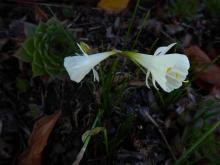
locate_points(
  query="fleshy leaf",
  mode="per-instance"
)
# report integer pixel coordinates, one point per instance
(37, 70)
(46, 48)
(23, 55)
(30, 29)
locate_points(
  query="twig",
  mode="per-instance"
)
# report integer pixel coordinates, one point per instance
(161, 133)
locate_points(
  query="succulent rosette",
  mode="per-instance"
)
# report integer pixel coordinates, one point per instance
(46, 47)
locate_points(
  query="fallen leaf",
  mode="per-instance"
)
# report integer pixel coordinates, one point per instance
(197, 55)
(38, 140)
(113, 6)
(207, 72)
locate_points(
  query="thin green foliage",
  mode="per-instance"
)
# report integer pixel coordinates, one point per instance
(131, 23)
(141, 28)
(106, 142)
(108, 96)
(199, 135)
(107, 99)
(199, 142)
(112, 89)
(123, 130)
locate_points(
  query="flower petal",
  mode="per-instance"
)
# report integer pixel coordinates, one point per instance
(147, 76)
(162, 50)
(97, 58)
(176, 66)
(95, 74)
(169, 71)
(180, 60)
(77, 67)
(158, 75)
(154, 83)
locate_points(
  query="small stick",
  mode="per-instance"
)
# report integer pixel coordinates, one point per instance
(161, 133)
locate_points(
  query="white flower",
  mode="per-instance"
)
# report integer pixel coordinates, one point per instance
(168, 70)
(79, 66)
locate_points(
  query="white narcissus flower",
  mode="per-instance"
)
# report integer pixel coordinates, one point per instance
(168, 70)
(79, 66)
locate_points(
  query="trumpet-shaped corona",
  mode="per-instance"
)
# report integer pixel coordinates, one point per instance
(168, 70)
(79, 66)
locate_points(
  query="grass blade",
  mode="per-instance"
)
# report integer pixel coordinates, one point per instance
(199, 142)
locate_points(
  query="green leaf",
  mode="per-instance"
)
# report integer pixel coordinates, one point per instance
(30, 29)
(37, 64)
(37, 70)
(23, 55)
(54, 72)
(28, 46)
(51, 60)
(85, 47)
(92, 132)
(37, 59)
(37, 40)
(53, 20)
(41, 28)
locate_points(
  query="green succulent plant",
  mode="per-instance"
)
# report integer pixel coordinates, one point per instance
(46, 46)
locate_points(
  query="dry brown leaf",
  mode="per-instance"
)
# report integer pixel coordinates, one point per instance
(113, 6)
(211, 73)
(197, 55)
(38, 140)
